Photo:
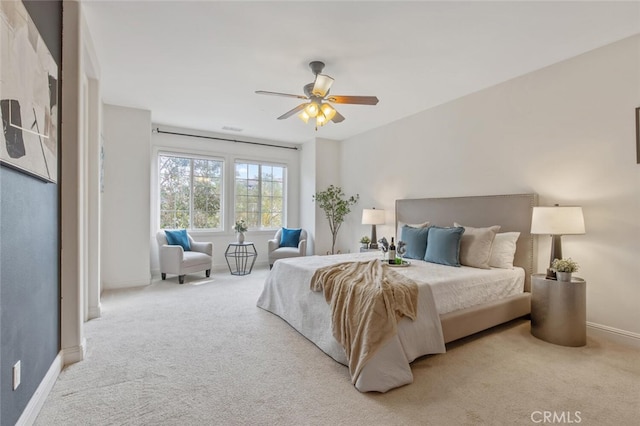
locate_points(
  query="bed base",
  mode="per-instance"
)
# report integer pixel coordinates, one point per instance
(465, 322)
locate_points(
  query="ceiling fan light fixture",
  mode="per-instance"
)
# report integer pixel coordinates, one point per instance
(312, 109)
(321, 120)
(328, 111)
(322, 85)
(304, 116)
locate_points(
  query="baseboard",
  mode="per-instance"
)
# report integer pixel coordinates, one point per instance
(615, 334)
(74, 354)
(216, 269)
(113, 285)
(38, 398)
(95, 311)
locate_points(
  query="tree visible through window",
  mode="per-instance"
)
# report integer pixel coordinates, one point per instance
(190, 192)
(260, 194)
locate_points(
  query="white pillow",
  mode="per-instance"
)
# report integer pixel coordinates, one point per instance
(475, 245)
(411, 225)
(504, 250)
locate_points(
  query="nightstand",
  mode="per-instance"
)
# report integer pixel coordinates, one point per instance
(559, 310)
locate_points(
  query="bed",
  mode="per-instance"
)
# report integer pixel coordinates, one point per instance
(449, 308)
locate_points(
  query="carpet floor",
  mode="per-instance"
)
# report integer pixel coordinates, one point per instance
(202, 353)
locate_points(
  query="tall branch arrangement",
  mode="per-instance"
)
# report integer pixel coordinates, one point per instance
(336, 206)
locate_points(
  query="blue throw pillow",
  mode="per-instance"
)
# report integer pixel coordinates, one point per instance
(415, 240)
(443, 245)
(178, 238)
(290, 237)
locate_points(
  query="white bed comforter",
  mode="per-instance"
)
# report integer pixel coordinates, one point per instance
(441, 289)
(286, 293)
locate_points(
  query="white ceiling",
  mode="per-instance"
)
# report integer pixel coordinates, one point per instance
(197, 64)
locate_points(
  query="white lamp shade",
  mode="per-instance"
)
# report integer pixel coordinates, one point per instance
(372, 217)
(557, 220)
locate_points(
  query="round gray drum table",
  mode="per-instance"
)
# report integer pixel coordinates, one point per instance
(559, 310)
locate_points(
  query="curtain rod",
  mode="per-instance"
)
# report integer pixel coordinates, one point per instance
(157, 130)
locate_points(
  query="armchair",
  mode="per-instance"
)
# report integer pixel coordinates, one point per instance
(277, 252)
(174, 259)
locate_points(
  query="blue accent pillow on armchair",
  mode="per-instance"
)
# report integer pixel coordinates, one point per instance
(178, 238)
(290, 237)
(443, 245)
(415, 240)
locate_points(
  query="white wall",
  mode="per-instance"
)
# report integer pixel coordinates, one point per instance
(566, 132)
(126, 201)
(229, 152)
(327, 158)
(91, 121)
(308, 171)
(72, 342)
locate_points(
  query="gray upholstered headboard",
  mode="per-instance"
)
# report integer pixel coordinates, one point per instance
(511, 212)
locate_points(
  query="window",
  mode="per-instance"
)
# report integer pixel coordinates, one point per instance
(190, 192)
(260, 194)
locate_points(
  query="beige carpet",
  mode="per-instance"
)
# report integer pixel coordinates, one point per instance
(204, 354)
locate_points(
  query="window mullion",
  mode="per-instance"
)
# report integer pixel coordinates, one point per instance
(191, 194)
(260, 196)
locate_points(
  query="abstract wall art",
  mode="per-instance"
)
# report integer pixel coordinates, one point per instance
(28, 96)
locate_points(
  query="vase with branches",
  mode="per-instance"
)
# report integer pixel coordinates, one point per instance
(336, 205)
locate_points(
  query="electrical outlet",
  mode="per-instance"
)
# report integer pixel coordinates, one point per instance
(16, 375)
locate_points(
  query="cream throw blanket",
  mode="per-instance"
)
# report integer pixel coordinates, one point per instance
(367, 299)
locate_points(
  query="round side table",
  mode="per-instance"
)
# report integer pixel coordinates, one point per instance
(559, 310)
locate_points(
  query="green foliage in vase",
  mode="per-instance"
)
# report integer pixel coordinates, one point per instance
(241, 226)
(336, 206)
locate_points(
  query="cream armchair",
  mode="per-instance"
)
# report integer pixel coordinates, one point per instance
(175, 260)
(276, 252)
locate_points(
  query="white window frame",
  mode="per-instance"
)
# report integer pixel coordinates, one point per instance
(192, 156)
(285, 188)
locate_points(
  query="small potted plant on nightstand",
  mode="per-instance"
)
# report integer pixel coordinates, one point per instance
(365, 242)
(564, 268)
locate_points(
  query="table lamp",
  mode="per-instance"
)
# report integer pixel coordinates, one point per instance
(557, 221)
(373, 217)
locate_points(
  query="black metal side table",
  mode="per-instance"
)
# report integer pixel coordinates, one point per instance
(241, 253)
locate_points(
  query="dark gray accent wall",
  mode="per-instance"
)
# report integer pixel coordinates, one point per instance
(29, 259)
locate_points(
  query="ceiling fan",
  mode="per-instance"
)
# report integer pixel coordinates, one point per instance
(317, 95)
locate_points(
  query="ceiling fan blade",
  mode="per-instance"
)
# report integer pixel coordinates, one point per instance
(358, 100)
(293, 111)
(322, 85)
(264, 92)
(338, 118)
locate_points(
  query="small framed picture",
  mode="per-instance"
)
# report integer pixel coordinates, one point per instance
(638, 135)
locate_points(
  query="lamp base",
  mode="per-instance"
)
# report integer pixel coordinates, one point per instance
(374, 238)
(556, 253)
